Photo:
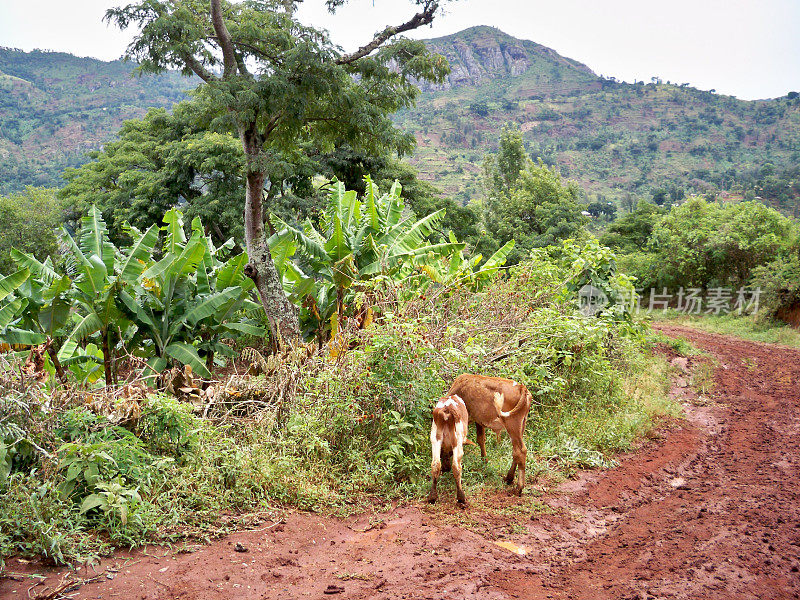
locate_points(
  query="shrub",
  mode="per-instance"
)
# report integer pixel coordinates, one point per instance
(779, 281)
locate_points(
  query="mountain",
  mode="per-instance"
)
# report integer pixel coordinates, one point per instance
(618, 140)
(483, 55)
(54, 107)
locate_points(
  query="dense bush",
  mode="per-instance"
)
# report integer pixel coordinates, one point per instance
(700, 243)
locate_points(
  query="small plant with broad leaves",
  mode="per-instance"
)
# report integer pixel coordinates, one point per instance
(589, 263)
(112, 500)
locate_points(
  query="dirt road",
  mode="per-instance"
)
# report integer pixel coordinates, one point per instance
(709, 509)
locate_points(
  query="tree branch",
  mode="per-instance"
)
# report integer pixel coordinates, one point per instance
(197, 67)
(228, 54)
(424, 17)
(273, 123)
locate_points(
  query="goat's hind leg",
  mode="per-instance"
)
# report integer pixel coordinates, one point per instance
(510, 475)
(519, 457)
(458, 454)
(436, 468)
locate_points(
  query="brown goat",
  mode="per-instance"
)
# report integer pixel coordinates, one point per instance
(501, 405)
(448, 435)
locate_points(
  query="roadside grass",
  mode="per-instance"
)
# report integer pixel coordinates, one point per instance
(747, 327)
(702, 371)
(681, 346)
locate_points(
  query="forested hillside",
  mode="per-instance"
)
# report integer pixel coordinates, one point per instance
(54, 107)
(619, 141)
(654, 139)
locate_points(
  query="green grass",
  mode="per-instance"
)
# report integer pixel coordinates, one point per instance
(745, 327)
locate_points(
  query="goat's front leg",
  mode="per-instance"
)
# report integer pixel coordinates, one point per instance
(480, 434)
(436, 466)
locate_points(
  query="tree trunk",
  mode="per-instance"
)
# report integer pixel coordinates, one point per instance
(281, 314)
(62, 376)
(210, 367)
(106, 358)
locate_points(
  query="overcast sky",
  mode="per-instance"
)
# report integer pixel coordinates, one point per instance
(748, 48)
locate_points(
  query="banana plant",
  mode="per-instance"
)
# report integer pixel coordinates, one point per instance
(11, 307)
(185, 303)
(189, 295)
(457, 270)
(100, 272)
(357, 239)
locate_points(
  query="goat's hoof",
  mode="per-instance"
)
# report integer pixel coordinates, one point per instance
(462, 502)
(517, 491)
(432, 499)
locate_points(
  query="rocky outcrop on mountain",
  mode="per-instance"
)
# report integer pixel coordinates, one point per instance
(482, 54)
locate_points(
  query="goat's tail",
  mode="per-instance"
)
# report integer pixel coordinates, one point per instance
(498, 405)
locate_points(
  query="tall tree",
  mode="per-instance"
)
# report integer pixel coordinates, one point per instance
(278, 84)
(502, 170)
(539, 210)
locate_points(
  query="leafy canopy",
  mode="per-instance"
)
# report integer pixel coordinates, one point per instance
(538, 210)
(29, 221)
(157, 162)
(285, 80)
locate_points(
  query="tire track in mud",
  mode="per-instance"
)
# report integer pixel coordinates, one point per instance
(707, 509)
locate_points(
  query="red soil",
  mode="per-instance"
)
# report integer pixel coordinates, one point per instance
(709, 509)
